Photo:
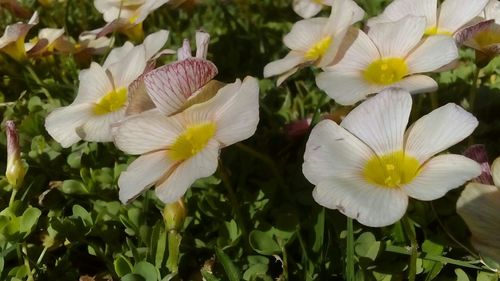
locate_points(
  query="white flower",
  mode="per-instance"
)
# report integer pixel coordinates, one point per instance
(368, 166)
(102, 94)
(126, 15)
(484, 34)
(479, 206)
(445, 20)
(310, 8)
(177, 150)
(315, 41)
(388, 56)
(45, 42)
(12, 40)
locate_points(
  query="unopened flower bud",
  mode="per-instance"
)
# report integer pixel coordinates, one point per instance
(174, 215)
(16, 169)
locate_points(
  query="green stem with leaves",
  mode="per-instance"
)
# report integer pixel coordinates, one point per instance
(410, 233)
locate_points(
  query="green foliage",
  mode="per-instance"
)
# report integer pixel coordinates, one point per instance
(255, 219)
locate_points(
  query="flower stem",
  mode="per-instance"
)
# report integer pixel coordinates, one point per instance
(410, 233)
(233, 199)
(174, 242)
(12, 196)
(350, 251)
(473, 89)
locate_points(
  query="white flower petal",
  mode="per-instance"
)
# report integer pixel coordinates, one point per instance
(154, 42)
(380, 121)
(289, 62)
(126, 71)
(344, 87)
(285, 76)
(183, 176)
(147, 132)
(343, 14)
(331, 151)
(202, 41)
(396, 39)
(171, 85)
(306, 8)
(305, 34)
(370, 205)
(62, 123)
(98, 127)
(356, 52)
(492, 11)
(416, 84)
(495, 171)
(439, 130)
(94, 84)
(441, 174)
(399, 9)
(118, 54)
(435, 52)
(478, 206)
(456, 13)
(235, 109)
(142, 174)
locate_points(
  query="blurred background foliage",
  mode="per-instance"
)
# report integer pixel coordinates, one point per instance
(255, 219)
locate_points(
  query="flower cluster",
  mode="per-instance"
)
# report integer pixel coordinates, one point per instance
(175, 116)
(370, 164)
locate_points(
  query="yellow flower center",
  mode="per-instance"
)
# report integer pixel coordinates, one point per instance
(318, 49)
(391, 170)
(194, 139)
(434, 30)
(386, 71)
(134, 32)
(487, 37)
(111, 102)
(16, 50)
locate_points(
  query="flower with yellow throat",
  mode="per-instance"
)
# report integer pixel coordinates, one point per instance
(479, 207)
(315, 41)
(12, 40)
(370, 164)
(176, 150)
(103, 94)
(390, 55)
(446, 19)
(484, 34)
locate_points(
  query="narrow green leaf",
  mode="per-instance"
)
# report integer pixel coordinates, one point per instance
(232, 272)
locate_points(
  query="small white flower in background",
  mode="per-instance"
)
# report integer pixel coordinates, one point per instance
(178, 85)
(126, 15)
(45, 43)
(12, 40)
(315, 41)
(90, 43)
(484, 34)
(310, 8)
(368, 166)
(103, 94)
(388, 56)
(177, 150)
(479, 206)
(445, 20)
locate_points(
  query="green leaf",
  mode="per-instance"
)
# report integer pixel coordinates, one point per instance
(146, 270)
(74, 187)
(29, 220)
(461, 275)
(367, 246)
(132, 277)
(84, 215)
(264, 243)
(232, 272)
(122, 265)
(486, 276)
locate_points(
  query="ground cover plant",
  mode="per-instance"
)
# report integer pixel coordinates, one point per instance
(250, 140)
